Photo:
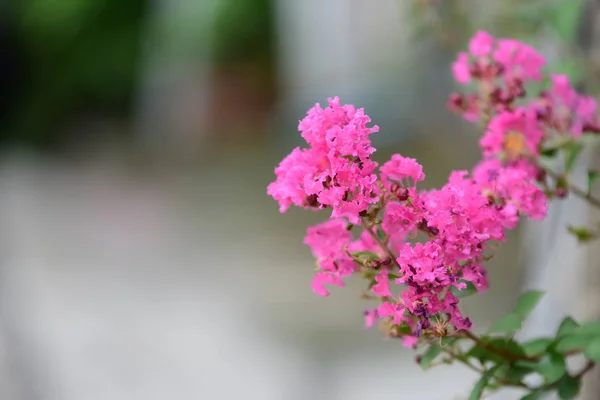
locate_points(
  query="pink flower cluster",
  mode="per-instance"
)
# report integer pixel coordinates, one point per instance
(415, 281)
(420, 248)
(501, 68)
(336, 170)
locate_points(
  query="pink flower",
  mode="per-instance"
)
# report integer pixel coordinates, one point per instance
(515, 134)
(481, 44)
(394, 310)
(292, 174)
(409, 340)
(370, 318)
(382, 287)
(399, 169)
(327, 240)
(519, 60)
(399, 219)
(336, 171)
(461, 69)
(565, 110)
(319, 281)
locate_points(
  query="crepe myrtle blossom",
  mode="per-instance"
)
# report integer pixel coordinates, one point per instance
(416, 246)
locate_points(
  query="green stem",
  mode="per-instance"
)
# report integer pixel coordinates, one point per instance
(576, 190)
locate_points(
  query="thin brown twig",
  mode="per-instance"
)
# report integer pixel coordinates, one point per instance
(504, 354)
(481, 371)
(576, 190)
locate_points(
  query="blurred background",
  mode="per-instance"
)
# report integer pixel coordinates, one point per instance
(141, 257)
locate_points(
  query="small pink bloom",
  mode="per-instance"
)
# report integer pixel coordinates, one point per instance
(370, 318)
(481, 44)
(409, 340)
(319, 281)
(382, 287)
(461, 69)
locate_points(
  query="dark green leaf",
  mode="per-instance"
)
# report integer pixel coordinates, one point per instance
(506, 344)
(552, 367)
(567, 326)
(479, 388)
(549, 152)
(592, 351)
(583, 235)
(429, 356)
(572, 152)
(469, 290)
(502, 371)
(537, 347)
(507, 324)
(527, 302)
(532, 396)
(517, 373)
(568, 387)
(592, 175)
(575, 341)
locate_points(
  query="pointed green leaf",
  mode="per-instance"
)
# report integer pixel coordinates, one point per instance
(537, 347)
(532, 396)
(527, 302)
(568, 387)
(567, 326)
(507, 324)
(479, 388)
(552, 367)
(430, 355)
(592, 351)
(369, 255)
(572, 152)
(589, 328)
(573, 342)
(583, 235)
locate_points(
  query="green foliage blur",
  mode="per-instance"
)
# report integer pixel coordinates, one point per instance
(84, 57)
(78, 55)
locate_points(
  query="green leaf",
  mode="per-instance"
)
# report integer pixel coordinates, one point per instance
(549, 152)
(517, 373)
(429, 356)
(573, 342)
(537, 347)
(469, 290)
(479, 388)
(527, 302)
(583, 235)
(507, 324)
(590, 328)
(567, 326)
(380, 233)
(592, 175)
(502, 371)
(572, 152)
(568, 387)
(592, 351)
(532, 396)
(552, 367)
(369, 255)
(564, 19)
